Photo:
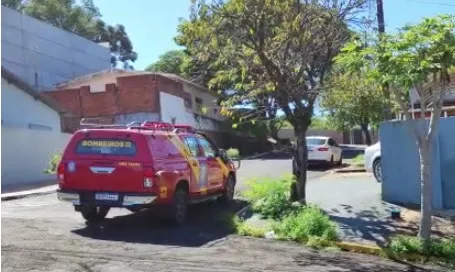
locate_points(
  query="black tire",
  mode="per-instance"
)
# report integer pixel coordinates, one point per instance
(95, 214)
(377, 170)
(340, 162)
(228, 193)
(330, 164)
(179, 206)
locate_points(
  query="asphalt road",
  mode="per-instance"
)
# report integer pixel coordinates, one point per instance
(41, 234)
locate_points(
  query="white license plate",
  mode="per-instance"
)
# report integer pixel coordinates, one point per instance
(106, 196)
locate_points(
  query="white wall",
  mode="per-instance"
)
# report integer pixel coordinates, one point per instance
(30, 135)
(21, 110)
(40, 53)
(26, 153)
(174, 107)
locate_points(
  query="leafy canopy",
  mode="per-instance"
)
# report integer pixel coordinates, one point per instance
(353, 100)
(273, 54)
(419, 54)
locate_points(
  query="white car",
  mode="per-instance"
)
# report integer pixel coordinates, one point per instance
(323, 149)
(373, 161)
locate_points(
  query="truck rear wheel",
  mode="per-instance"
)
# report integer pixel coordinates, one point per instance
(94, 214)
(179, 206)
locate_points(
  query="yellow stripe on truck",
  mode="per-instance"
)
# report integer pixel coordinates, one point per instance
(224, 167)
(181, 147)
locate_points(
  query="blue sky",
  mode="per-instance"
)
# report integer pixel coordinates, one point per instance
(152, 24)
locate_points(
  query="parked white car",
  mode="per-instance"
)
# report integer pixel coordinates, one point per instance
(323, 149)
(373, 161)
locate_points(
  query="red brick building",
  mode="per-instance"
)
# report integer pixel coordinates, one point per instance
(121, 97)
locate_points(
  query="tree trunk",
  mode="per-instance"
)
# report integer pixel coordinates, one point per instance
(367, 133)
(298, 191)
(426, 189)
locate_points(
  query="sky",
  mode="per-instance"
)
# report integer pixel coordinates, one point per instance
(152, 24)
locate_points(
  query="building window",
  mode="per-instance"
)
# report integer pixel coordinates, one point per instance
(198, 104)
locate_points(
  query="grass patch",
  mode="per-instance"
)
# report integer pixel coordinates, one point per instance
(233, 153)
(290, 221)
(359, 160)
(308, 225)
(442, 249)
(270, 197)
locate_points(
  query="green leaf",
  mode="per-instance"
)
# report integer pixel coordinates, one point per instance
(234, 125)
(204, 110)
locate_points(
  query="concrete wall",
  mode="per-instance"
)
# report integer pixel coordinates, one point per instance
(174, 107)
(30, 135)
(288, 133)
(401, 166)
(44, 55)
(208, 101)
(26, 153)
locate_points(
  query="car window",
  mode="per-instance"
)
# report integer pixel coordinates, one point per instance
(193, 146)
(209, 151)
(315, 141)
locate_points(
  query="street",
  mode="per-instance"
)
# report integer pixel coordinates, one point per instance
(42, 234)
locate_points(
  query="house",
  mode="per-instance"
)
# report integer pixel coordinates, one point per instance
(43, 55)
(31, 132)
(120, 97)
(448, 108)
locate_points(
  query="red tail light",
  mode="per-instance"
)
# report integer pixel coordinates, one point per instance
(323, 149)
(61, 173)
(149, 175)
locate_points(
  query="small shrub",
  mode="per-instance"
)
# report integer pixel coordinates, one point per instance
(359, 160)
(270, 197)
(441, 248)
(307, 224)
(233, 153)
(53, 163)
(243, 229)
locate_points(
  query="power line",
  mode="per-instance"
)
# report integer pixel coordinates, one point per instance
(431, 3)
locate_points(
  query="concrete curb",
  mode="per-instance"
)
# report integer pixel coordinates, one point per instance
(345, 170)
(42, 191)
(361, 248)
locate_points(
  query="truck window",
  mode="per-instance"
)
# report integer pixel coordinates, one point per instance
(106, 147)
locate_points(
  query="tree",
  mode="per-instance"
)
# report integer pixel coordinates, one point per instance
(82, 19)
(419, 57)
(169, 62)
(353, 100)
(274, 54)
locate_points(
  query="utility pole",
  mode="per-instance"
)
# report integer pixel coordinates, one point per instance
(380, 16)
(381, 30)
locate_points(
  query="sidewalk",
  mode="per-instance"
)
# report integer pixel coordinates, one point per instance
(23, 190)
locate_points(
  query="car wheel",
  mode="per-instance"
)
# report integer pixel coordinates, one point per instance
(228, 193)
(94, 214)
(331, 162)
(377, 170)
(179, 206)
(340, 162)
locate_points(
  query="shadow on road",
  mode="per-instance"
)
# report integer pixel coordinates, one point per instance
(371, 224)
(206, 223)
